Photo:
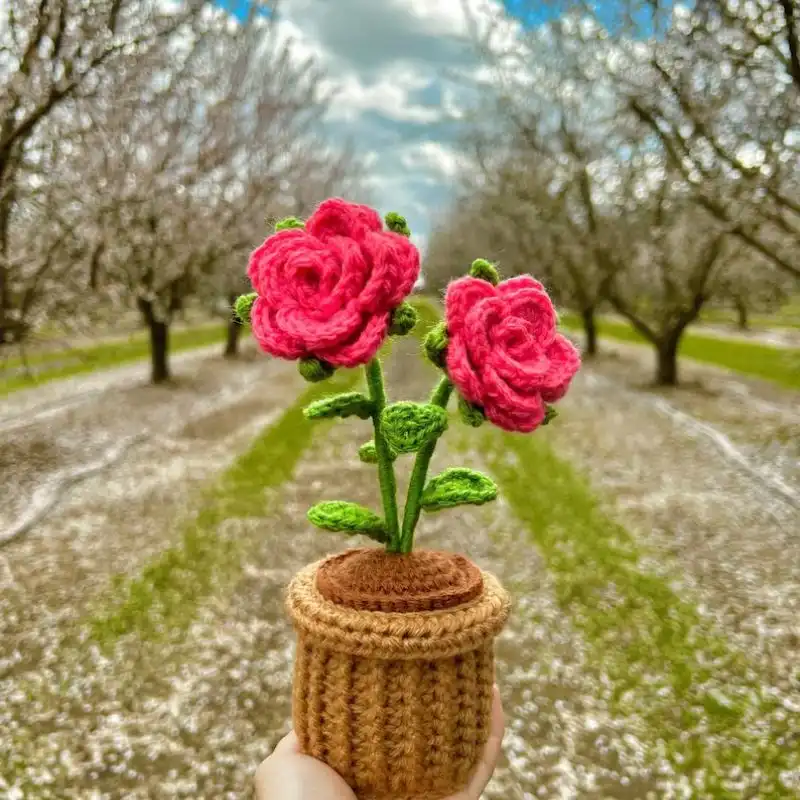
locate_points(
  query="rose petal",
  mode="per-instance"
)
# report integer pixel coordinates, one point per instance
(513, 285)
(462, 296)
(565, 361)
(317, 334)
(395, 269)
(269, 335)
(337, 217)
(363, 347)
(271, 255)
(461, 371)
(536, 308)
(510, 410)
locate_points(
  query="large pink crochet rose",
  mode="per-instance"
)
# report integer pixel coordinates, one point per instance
(503, 352)
(328, 291)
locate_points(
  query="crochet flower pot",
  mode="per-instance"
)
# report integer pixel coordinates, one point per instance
(394, 666)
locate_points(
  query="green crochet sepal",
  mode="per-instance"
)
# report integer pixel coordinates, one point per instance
(397, 223)
(243, 306)
(458, 486)
(314, 370)
(350, 518)
(550, 413)
(408, 426)
(485, 271)
(288, 224)
(369, 455)
(350, 404)
(470, 415)
(404, 318)
(435, 345)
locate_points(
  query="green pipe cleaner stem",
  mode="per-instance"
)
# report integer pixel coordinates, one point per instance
(440, 397)
(386, 478)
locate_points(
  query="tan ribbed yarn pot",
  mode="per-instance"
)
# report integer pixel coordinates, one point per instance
(394, 668)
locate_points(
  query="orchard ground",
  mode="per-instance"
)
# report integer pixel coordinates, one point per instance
(649, 539)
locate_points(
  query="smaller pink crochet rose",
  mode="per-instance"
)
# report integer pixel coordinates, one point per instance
(503, 352)
(328, 290)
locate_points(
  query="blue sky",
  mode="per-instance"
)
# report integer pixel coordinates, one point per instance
(392, 63)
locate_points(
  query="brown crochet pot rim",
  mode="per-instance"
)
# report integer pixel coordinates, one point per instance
(373, 579)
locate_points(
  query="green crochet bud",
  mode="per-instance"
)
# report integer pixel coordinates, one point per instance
(397, 223)
(484, 270)
(550, 413)
(404, 318)
(369, 454)
(288, 223)
(243, 306)
(470, 415)
(314, 370)
(435, 344)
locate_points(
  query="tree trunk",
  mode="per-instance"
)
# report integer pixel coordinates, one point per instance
(742, 319)
(590, 332)
(159, 343)
(159, 351)
(5, 299)
(667, 360)
(232, 340)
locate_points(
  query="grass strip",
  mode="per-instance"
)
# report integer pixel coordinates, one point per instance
(164, 596)
(780, 365)
(699, 703)
(67, 363)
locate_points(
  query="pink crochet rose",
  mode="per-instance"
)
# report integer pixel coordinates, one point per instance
(503, 352)
(328, 291)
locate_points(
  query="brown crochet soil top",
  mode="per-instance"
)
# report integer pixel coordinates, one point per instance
(370, 579)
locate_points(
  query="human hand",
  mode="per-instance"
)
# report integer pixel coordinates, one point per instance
(287, 774)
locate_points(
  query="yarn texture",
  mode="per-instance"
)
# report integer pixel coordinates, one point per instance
(457, 486)
(328, 290)
(408, 426)
(349, 404)
(503, 351)
(344, 517)
(398, 703)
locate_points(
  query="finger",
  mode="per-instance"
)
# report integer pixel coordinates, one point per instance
(289, 744)
(491, 752)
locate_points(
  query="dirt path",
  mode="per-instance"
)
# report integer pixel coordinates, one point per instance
(192, 716)
(761, 419)
(734, 539)
(110, 523)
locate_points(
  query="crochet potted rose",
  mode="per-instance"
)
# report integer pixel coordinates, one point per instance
(394, 665)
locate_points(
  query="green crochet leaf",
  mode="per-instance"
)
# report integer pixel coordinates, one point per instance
(243, 306)
(351, 518)
(288, 223)
(408, 426)
(470, 415)
(458, 486)
(350, 404)
(314, 370)
(550, 413)
(369, 455)
(404, 318)
(435, 344)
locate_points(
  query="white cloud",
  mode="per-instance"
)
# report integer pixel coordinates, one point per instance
(393, 64)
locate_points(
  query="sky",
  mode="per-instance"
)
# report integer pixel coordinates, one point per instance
(394, 64)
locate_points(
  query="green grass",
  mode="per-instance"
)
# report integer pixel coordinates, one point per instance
(67, 363)
(164, 596)
(787, 316)
(697, 698)
(780, 365)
